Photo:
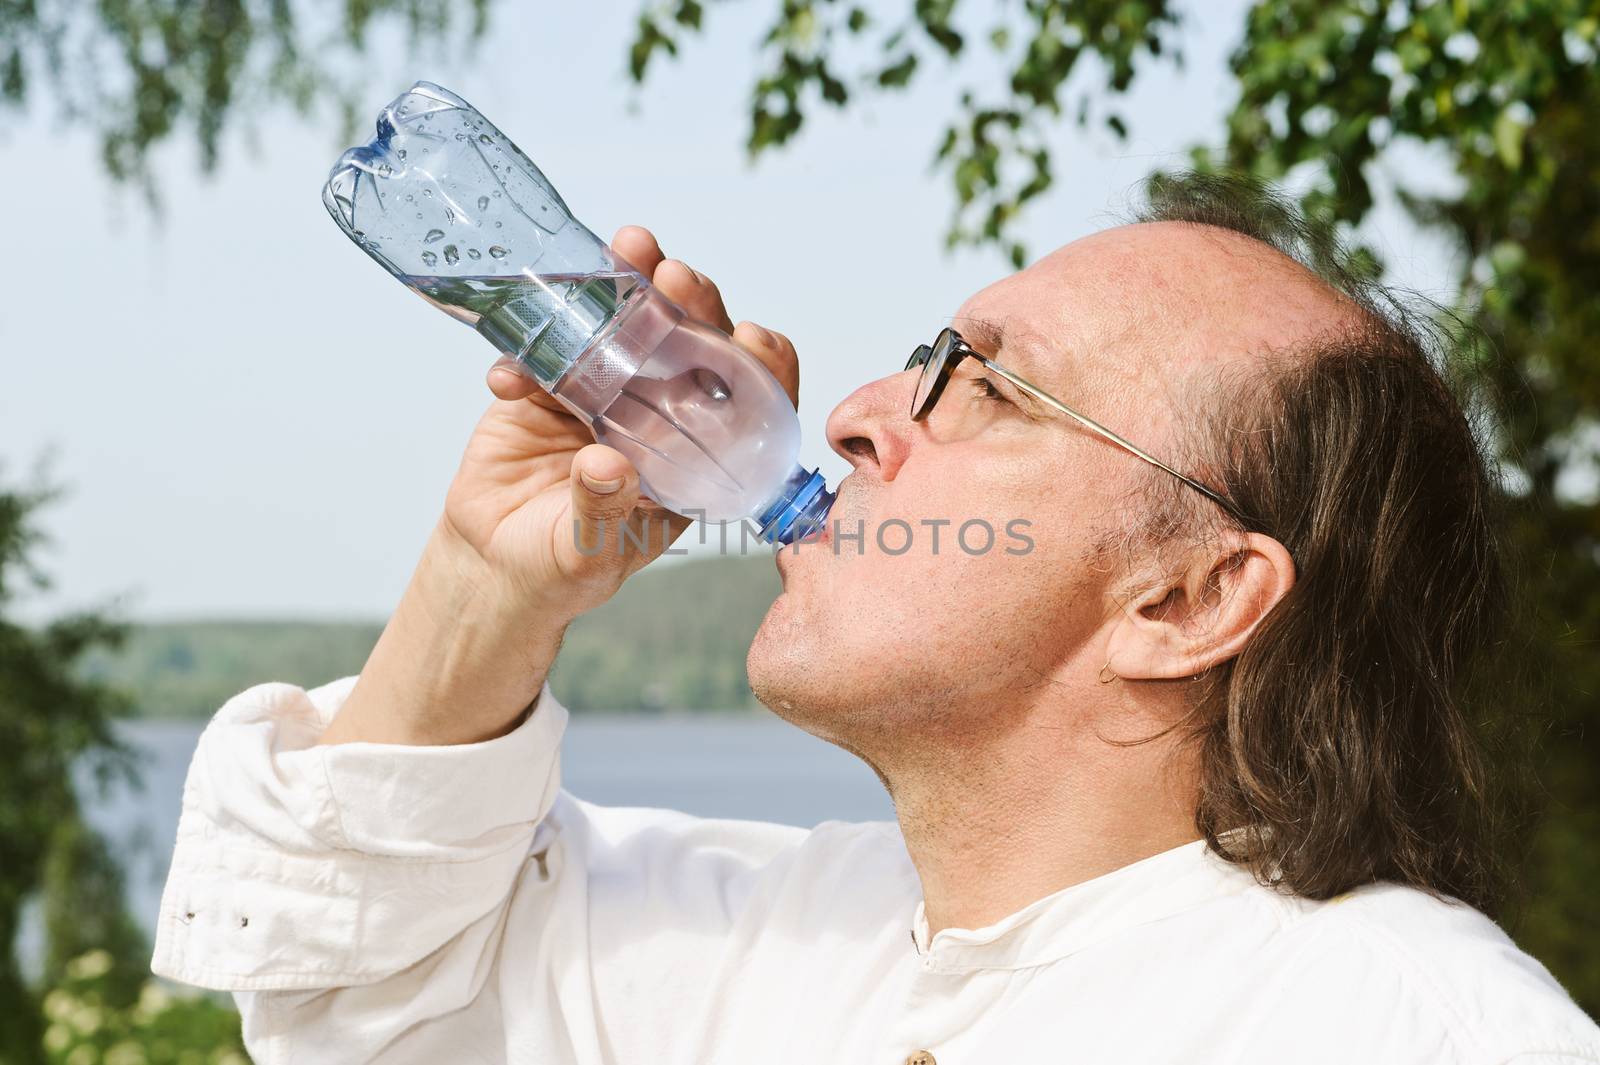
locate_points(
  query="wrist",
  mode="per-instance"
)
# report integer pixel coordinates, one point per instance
(458, 662)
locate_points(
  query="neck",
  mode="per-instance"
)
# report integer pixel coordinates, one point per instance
(996, 823)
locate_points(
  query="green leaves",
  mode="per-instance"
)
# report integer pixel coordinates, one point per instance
(898, 73)
(1503, 93)
(51, 722)
(648, 39)
(1507, 134)
(140, 72)
(996, 156)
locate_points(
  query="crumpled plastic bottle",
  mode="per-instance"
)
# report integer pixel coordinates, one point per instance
(449, 205)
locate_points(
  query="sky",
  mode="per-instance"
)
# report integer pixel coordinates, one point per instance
(251, 419)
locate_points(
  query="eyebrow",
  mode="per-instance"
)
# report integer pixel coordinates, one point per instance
(985, 334)
(989, 337)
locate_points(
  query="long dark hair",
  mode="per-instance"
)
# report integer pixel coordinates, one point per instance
(1345, 745)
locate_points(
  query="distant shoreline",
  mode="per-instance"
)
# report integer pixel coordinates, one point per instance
(638, 654)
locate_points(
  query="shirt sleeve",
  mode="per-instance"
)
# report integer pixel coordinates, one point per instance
(300, 866)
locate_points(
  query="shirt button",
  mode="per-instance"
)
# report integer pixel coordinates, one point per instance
(921, 1057)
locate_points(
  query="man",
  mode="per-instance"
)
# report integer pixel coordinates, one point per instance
(1183, 772)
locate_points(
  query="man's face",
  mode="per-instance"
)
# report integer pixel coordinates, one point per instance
(917, 626)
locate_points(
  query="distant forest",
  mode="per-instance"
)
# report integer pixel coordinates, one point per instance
(674, 638)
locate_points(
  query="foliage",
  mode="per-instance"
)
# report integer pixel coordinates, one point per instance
(50, 721)
(638, 652)
(82, 891)
(643, 651)
(189, 668)
(139, 71)
(87, 1023)
(997, 147)
(1504, 92)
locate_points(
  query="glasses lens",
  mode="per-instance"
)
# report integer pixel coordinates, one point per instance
(935, 368)
(919, 356)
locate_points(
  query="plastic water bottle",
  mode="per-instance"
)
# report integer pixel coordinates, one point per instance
(446, 203)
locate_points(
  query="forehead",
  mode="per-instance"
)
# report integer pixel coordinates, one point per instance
(1132, 312)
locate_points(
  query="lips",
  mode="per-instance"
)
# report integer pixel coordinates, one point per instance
(846, 500)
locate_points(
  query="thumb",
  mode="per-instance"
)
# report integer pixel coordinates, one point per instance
(605, 490)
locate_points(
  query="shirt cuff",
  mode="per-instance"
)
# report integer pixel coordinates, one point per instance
(305, 866)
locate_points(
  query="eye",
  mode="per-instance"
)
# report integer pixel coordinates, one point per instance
(986, 390)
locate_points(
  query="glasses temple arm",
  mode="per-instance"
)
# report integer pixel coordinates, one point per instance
(1095, 427)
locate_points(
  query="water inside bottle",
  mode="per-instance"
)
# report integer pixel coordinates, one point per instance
(543, 320)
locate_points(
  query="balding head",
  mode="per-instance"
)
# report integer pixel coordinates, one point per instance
(1130, 318)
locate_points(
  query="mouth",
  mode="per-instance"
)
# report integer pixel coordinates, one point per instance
(823, 536)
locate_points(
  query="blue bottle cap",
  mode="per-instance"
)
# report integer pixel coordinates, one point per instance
(800, 513)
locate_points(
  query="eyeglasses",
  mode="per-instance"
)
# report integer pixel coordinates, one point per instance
(939, 359)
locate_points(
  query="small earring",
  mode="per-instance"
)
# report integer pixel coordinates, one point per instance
(1107, 674)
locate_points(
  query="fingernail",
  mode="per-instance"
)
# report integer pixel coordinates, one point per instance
(600, 488)
(692, 273)
(765, 337)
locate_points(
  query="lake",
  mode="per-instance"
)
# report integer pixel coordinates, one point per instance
(746, 766)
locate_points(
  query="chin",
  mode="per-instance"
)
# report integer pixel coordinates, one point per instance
(815, 674)
(782, 662)
(795, 667)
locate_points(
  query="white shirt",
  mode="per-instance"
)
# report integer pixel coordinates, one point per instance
(453, 904)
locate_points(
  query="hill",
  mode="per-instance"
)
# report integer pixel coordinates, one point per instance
(674, 637)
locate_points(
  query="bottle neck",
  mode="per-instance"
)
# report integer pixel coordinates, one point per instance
(800, 509)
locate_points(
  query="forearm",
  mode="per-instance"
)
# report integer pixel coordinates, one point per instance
(457, 663)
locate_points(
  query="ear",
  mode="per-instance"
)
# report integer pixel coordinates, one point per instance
(1186, 623)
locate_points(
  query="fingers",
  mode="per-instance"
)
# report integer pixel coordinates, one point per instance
(775, 352)
(605, 489)
(694, 292)
(698, 295)
(507, 383)
(637, 247)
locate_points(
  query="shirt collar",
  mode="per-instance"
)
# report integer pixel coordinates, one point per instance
(1079, 916)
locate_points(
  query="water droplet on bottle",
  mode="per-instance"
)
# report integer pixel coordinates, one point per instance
(461, 136)
(434, 236)
(358, 234)
(427, 192)
(429, 259)
(474, 254)
(483, 203)
(484, 138)
(419, 214)
(451, 256)
(449, 215)
(497, 251)
(401, 152)
(497, 194)
(410, 198)
(497, 225)
(374, 245)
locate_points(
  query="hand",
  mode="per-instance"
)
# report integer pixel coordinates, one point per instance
(534, 485)
(502, 576)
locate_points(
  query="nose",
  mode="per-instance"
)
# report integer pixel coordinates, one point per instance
(871, 427)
